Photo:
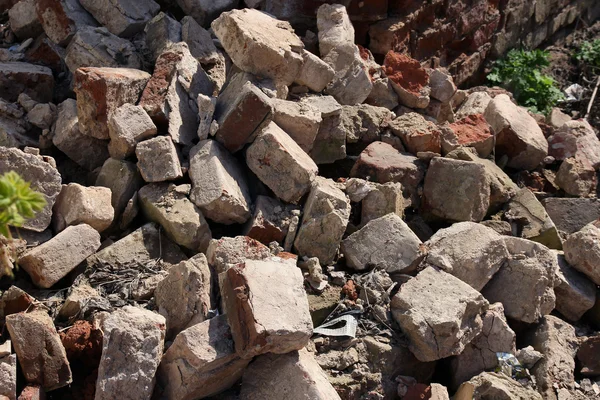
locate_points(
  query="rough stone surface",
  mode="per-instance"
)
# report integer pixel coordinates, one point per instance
(351, 83)
(529, 220)
(158, 160)
(470, 131)
(378, 199)
(24, 21)
(123, 180)
(34, 80)
(62, 19)
(39, 350)
(97, 47)
(475, 103)
(127, 126)
(326, 214)
(169, 206)
(417, 133)
(199, 41)
(335, 28)
(471, 252)
(556, 340)
(100, 91)
(525, 284)
(442, 85)
(575, 294)
(260, 44)
(409, 80)
(493, 385)
(518, 135)
(78, 204)
(298, 375)
(88, 152)
(162, 31)
(242, 111)
(382, 163)
(457, 190)
(588, 356)
(385, 242)
(201, 362)
(315, 73)
(582, 251)
(330, 142)
(122, 17)
(266, 307)
(299, 120)
(480, 355)
(43, 177)
(439, 314)
(270, 221)
(364, 123)
(184, 296)
(131, 351)
(219, 185)
(576, 178)
(383, 94)
(571, 214)
(49, 262)
(227, 252)
(8, 375)
(281, 164)
(576, 139)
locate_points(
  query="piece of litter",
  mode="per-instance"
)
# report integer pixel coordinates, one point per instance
(349, 328)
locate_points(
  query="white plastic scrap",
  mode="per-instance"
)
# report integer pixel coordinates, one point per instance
(349, 328)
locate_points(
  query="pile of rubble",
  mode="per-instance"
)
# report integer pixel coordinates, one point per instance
(235, 211)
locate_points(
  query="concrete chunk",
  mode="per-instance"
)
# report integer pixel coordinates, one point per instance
(54, 259)
(100, 91)
(270, 221)
(518, 135)
(123, 180)
(457, 190)
(525, 284)
(158, 160)
(201, 362)
(131, 351)
(299, 376)
(315, 73)
(442, 85)
(326, 215)
(199, 41)
(330, 142)
(161, 31)
(219, 185)
(335, 28)
(439, 313)
(582, 251)
(417, 133)
(128, 125)
(260, 44)
(78, 204)
(169, 206)
(184, 296)
(576, 139)
(575, 293)
(8, 376)
(299, 120)
(40, 352)
(471, 131)
(351, 83)
(281, 164)
(97, 47)
(226, 252)
(471, 252)
(266, 307)
(62, 19)
(122, 17)
(24, 21)
(43, 177)
(492, 385)
(385, 242)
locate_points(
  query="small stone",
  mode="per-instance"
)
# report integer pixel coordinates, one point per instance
(51, 261)
(528, 357)
(260, 44)
(131, 351)
(201, 362)
(123, 180)
(588, 356)
(471, 131)
(525, 284)
(158, 160)
(182, 221)
(364, 123)
(492, 385)
(123, 17)
(529, 218)
(457, 190)
(24, 21)
(42, 176)
(475, 103)
(383, 94)
(351, 83)
(382, 200)
(298, 374)
(518, 135)
(442, 85)
(80, 300)
(326, 215)
(330, 142)
(385, 242)
(41, 355)
(270, 221)
(100, 91)
(219, 185)
(266, 307)
(97, 47)
(557, 118)
(576, 178)
(62, 19)
(162, 31)
(78, 204)
(315, 73)
(576, 139)
(439, 314)
(90, 153)
(335, 28)
(417, 133)
(575, 294)
(281, 164)
(8, 375)
(19, 77)
(128, 125)
(183, 297)
(582, 251)
(226, 252)
(299, 120)
(471, 252)
(206, 110)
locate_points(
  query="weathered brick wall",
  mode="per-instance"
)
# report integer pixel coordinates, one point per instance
(458, 34)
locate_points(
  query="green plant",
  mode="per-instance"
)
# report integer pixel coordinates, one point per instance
(18, 202)
(521, 73)
(589, 53)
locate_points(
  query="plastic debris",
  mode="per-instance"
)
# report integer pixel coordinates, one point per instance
(574, 92)
(510, 366)
(348, 329)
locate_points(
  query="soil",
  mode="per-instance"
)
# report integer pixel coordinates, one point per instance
(566, 70)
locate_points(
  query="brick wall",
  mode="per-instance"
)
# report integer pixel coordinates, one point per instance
(458, 34)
